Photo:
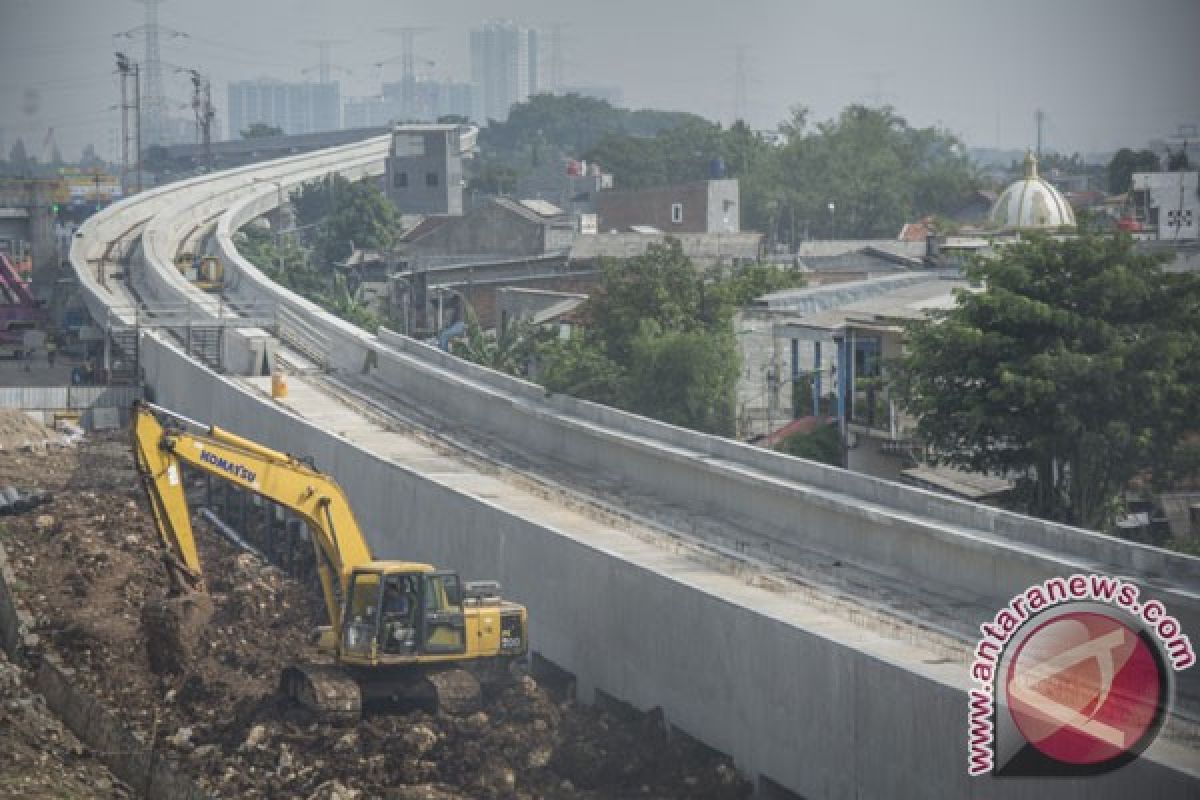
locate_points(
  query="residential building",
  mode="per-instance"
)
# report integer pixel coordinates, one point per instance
(706, 250)
(1166, 205)
(823, 351)
(292, 107)
(500, 228)
(711, 206)
(505, 67)
(572, 186)
(424, 169)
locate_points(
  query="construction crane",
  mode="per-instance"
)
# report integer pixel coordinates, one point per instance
(397, 629)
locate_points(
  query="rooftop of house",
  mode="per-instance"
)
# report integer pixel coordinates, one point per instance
(882, 302)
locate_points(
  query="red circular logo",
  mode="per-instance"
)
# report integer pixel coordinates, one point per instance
(1084, 688)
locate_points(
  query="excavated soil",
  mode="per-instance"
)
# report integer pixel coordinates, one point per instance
(39, 758)
(88, 566)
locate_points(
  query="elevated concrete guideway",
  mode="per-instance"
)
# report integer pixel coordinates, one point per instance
(812, 623)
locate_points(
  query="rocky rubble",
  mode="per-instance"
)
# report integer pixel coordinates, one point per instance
(39, 758)
(88, 577)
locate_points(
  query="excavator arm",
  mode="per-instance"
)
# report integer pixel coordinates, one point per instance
(164, 442)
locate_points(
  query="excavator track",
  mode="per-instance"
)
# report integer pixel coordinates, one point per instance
(456, 691)
(327, 691)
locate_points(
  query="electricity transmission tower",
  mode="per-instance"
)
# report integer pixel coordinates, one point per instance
(408, 60)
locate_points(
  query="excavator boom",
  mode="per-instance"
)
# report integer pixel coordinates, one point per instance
(161, 448)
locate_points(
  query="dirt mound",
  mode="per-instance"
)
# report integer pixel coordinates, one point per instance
(18, 430)
(213, 706)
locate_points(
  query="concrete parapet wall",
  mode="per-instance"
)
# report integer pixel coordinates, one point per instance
(806, 707)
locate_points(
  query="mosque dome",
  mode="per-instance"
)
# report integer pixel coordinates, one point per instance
(1031, 203)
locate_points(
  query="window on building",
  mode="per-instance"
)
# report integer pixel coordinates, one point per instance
(431, 179)
(676, 212)
(400, 180)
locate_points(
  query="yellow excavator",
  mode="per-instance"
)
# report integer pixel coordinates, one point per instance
(397, 629)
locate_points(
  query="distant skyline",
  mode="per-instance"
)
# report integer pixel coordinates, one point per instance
(1108, 73)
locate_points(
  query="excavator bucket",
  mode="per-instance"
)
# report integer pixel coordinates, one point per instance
(173, 627)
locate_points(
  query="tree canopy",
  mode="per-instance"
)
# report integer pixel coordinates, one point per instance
(823, 444)
(878, 171)
(546, 130)
(1074, 370)
(362, 218)
(1124, 163)
(314, 200)
(658, 339)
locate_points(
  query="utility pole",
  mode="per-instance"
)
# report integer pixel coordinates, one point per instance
(126, 68)
(123, 71)
(137, 122)
(203, 108)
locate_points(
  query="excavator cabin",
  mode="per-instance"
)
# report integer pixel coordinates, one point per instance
(398, 612)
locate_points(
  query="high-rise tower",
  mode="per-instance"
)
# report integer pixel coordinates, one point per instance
(505, 68)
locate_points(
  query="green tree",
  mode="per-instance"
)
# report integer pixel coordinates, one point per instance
(1074, 370)
(316, 199)
(684, 377)
(507, 351)
(363, 218)
(823, 444)
(261, 130)
(878, 171)
(1178, 161)
(1124, 163)
(580, 368)
(566, 126)
(657, 340)
(494, 178)
(661, 286)
(754, 281)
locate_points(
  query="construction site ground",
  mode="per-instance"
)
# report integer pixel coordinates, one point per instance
(87, 562)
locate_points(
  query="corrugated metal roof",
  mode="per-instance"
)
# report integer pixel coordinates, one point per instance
(542, 208)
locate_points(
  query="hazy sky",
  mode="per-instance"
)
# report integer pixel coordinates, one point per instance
(1106, 72)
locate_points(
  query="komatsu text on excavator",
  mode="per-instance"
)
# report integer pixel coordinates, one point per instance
(397, 629)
